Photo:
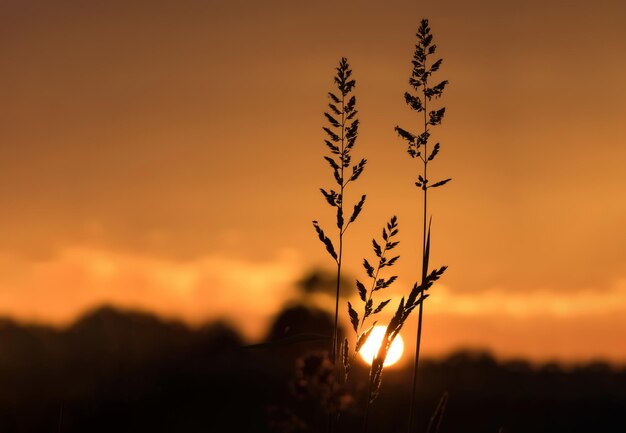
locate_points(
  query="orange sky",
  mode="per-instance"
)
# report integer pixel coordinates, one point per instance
(168, 155)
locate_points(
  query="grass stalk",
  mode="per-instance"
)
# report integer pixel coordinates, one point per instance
(334, 352)
(341, 134)
(420, 313)
(341, 138)
(378, 283)
(418, 149)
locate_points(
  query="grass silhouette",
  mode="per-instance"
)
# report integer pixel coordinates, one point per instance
(423, 93)
(389, 232)
(341, 135)
(342, 131)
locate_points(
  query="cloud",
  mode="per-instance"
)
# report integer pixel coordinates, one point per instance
(245, 292)
(541, 325)
(533, 302)
(580, 325)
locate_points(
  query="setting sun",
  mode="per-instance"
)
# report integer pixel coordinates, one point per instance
(371, 346)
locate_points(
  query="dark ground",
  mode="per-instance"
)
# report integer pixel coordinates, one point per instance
(131, 372)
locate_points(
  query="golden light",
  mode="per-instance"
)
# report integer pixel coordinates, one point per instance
(371, 346)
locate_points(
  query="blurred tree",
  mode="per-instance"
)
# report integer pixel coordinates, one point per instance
(323, 281)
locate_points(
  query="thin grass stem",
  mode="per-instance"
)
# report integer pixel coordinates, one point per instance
(418, 149)
(420, 313)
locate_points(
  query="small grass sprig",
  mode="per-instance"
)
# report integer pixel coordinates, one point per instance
(437, 416)
(341, 136)
(418, 101)
(389, 232)
(416, 298)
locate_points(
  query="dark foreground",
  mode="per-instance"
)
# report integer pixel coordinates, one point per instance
(131, 372)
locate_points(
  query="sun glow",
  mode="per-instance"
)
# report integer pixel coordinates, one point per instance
(371, 346)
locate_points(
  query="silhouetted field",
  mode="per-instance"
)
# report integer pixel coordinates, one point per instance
(132, 372)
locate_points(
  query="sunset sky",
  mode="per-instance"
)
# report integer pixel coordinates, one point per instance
(167, 155)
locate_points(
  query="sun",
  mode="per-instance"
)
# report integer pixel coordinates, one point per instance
(371, 346)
